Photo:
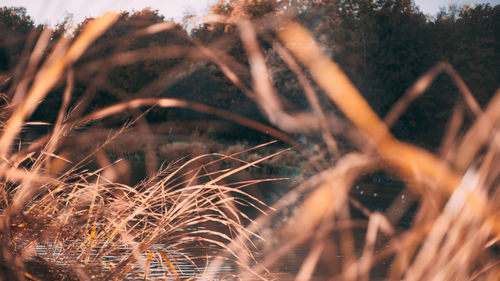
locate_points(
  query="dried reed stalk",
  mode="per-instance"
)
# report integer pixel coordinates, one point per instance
(48, 76)
(413, 163)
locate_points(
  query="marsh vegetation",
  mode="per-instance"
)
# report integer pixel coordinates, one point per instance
(252, 147)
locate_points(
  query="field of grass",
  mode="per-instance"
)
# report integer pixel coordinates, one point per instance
(66, 218)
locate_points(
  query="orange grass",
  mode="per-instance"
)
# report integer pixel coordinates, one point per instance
(413, 163)
(75, 219)
(71, 218)
(456, 224)
(49, 74)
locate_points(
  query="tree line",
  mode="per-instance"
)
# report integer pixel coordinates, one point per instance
(384, 46)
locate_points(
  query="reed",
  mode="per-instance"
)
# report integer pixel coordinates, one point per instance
(65, 219)
(455, 230)
(79, 218)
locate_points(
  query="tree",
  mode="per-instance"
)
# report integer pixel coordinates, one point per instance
(477, 57)
(15, 27)
(104, 78)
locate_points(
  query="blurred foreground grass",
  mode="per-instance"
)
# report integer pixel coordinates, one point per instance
(94, 226)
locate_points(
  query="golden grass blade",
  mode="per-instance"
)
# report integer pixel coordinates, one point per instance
(266, 95)
(18, 175)
(48, 77)
(131, 57)
(311, 97)
(29, 72)
(423, 83)
(320, 240)
(92, 202)
(91, 243)
(106, 265)
(265, 92)
(167, 260)
(148, 262)
(376, 222)
(58, 127)
(335, 83)
(479, 133)
(413, 163)
(233, 171)
(448, 142)
(155, 28)
(169, 102)
(26, 274)
(230, 73)
(124, 272)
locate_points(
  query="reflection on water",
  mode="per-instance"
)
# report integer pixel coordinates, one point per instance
(187, 264)
(375, 192)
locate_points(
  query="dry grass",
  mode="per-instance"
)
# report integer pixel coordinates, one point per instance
(68, 222)
(63, 220)
(455, 230)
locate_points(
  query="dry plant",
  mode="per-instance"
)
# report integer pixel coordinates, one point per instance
(455, 229)
(64, 222)
(62, 219)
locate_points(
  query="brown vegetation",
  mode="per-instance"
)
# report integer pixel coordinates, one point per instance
(69, 212)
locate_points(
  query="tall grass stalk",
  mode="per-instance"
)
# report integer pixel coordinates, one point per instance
(65, 221)
(455, 231)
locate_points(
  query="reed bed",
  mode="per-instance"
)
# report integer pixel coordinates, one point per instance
(454, 230)
(62, 220)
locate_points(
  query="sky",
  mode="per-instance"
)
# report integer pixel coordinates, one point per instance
(54, 11)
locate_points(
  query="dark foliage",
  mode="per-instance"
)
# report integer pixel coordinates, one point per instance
(384, 46)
